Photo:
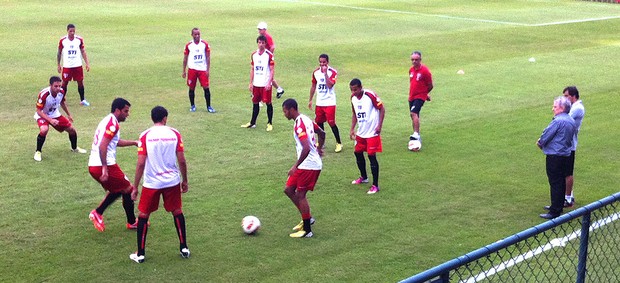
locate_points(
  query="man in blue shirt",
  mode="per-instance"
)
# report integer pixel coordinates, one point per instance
(556, 142)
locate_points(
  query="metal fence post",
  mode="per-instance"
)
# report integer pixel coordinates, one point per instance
(583, 248)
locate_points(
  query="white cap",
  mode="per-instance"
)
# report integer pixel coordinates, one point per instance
(262, 25)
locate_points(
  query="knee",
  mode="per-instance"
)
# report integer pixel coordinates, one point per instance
(177, 211)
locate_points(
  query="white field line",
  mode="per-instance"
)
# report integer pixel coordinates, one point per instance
(557, 242)
(452, 17)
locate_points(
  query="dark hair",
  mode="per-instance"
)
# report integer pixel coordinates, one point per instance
(417, 52)
(355, 82)
(70, 26)
(261, 38)
(194, 30)
(572, 91)
(158, 113)
(324, 56)
(289, 104)
(119, 103)
(54, 79)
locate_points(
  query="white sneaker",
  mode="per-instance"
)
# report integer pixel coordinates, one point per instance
(37, 156)
(185, 253)
(79, 150)
(85, 103)
(137, 258)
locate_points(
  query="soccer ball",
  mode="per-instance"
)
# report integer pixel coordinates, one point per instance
(250, 224)
(414, 145)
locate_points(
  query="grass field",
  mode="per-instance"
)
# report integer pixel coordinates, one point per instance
(479, 177)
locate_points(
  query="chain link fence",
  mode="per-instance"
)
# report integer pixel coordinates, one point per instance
(582, 244)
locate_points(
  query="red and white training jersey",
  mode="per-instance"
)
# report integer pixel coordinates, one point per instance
(325, 96)
(108, 127)
(304, 129)
(160, 144)
(197, 55)
(71, 51)
(366, 109)
(49, 104)
(262, 63)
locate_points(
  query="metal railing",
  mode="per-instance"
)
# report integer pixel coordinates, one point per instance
(579, 245)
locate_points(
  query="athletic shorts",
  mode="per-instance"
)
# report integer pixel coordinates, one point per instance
(325, 114)
(303, 180)
(261, 94)
(415, 106)
(117, 181)
(75, 74)
(371, 145)
(571, 164)
(194, 75)
(149, 199)
(63, 123)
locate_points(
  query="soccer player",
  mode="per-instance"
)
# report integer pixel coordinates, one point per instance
(420, 85)
(323, 81)
(271, 46)
(261, 76)
(305, 172)
(103, 168)
(577, 112)
(162, 162)
(47, 113)
(368, 114)
(71, 50)
(199, 64)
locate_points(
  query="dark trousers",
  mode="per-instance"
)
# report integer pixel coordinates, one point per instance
(557, 168)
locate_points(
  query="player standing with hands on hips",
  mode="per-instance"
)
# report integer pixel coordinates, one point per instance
(368, 114)
(323, 81)
(420, 85)
(305, 172)
(197, 58)
(161, 160)
(71, 50)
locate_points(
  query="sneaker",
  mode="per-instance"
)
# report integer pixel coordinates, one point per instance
(79, 150)
(134, 226)
(373, 190)
(84, 103)
(37, 156)
(414, 137)
(192, 108)
(97, 220)
(248, 125)
(300, 226)
(269, 128)
(301, 234)
(359, 180)
(137, 258)
(279, 92)
(184, 253)
(569, 203)
(210, 109)
(338, 147)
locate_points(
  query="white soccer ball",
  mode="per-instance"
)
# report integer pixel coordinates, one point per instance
(414, 145)
(250, 224)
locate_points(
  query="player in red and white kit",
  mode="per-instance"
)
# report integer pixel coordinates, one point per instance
(305, 172)
(161, 160)
(368, 114)
(197, 58)
(261, 75)
(271, 46)
(49, 100)
(71, 50)
(420, 85)
(323, 80)
(103, 168)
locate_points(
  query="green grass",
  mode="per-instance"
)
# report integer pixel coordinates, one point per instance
(479, 177)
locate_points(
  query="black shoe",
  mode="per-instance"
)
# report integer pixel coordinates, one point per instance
(548, 215)
(279, 93)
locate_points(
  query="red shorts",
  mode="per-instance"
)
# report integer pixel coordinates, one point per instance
(261, 94)
(325, 113)
(149, 199)
(303, 180)
(63, 123)
(370, 145)
(117, 181)
(76, 74)
(194, 75)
